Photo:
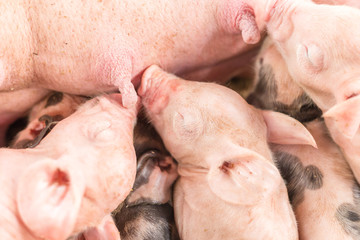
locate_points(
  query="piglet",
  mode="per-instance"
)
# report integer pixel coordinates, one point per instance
(44, 116)
(322, 189)
(229, 187)
(274, 89)
(76, 176)
(14, 105)
(147, 212)
(324, 61)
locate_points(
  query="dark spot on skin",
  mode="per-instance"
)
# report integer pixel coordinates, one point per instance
(352, 216)
(297, 177)
(266, 92)
(348, 216)
(54, 99)
(314, 177)
(356, 193)
(292, 171)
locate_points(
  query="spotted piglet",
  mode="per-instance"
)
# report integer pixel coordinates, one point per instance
(147, 213)
(321, 186)
(44, 116)
(229, 187)
(274, 89)
(322, 189)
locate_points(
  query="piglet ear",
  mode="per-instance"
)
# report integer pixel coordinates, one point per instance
(49, 195)
(283, 129)
(345, 116)
(244, 180)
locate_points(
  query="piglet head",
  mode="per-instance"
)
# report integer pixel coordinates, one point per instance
(91, 170)
(191, 116)
(323, 59)
(276, 90)
(197, 119)
(43, 116)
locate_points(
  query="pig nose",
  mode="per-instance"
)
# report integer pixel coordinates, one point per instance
(152, 89)
(149, 79)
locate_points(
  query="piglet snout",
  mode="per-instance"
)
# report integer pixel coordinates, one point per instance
(153, 88)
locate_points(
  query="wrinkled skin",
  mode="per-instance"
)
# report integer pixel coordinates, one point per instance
(322, 188)
(147, 212)
(67, 184)
(274, 89)
(229, 187)
(55, 107)
(90, 47)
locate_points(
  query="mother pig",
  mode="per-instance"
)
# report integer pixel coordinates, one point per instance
(86, 47)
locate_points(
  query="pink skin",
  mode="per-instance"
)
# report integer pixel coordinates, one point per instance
(66, 107)
(328, 74)
(15, 105)
(105, 231)
(316, 214)
(322, 63)
(223, 156)
(88, 48)
(45, 193)
(352, 3)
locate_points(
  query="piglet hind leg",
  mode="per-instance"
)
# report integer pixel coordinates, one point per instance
(114, 67)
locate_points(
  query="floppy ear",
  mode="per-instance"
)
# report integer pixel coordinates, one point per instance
(49, 195)
(283, 129)
(244, 180)
(346, 116)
